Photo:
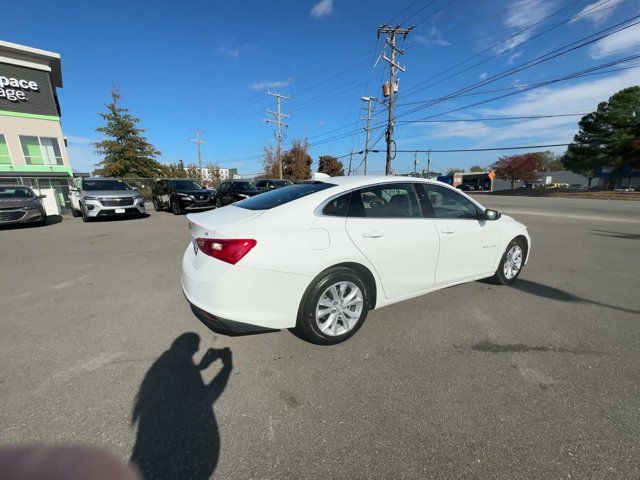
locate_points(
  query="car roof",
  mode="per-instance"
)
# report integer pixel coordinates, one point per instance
(359, 180)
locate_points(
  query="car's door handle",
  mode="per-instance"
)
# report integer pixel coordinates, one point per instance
(372, 234)
(448, 230)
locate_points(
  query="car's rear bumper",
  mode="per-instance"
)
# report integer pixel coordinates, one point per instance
(233, 294)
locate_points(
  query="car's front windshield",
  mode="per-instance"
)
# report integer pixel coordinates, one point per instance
(243, 186)
(15, 192)
(94, 185)
(185, 185)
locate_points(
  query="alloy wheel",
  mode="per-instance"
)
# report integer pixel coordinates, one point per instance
(339, 308)
(513, 262)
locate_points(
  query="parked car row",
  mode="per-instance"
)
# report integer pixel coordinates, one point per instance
(93, 198)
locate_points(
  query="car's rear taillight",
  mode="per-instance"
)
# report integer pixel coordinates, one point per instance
(227, 250)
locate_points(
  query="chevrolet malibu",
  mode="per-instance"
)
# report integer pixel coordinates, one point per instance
(318, 256)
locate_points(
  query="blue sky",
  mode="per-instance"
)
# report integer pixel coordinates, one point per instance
(208, 65)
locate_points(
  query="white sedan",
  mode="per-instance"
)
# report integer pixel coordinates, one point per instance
(318, 256)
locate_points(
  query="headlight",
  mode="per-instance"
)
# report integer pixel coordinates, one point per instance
(29, 207)
(91, 198)
(137, 197)
(182, 194)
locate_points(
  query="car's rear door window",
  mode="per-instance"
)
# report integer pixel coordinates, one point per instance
(390, 200)
(280, 196)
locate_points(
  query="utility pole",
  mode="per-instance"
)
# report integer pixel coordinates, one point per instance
(198, 141)
(350, 158)
(392, 33)
(428, 163)
(415, 163)
(367, 129)
(278, 115)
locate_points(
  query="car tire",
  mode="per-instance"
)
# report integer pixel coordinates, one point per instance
(156, 205)
(511, 262)
(75, 213)
(85, 217)
(325, 318)
(175, 206)
(218, 203)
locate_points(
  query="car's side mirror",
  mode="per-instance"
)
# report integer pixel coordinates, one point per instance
(42, 196)
(490, 215)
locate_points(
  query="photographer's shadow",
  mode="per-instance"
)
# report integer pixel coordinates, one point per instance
(177, 431)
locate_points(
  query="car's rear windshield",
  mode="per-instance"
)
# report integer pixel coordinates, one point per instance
(185, 185)
(15, 192)
(240, 186)
(283, 195)
(93, 185)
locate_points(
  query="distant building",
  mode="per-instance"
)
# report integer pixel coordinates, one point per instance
(209, 173)
(33, 149)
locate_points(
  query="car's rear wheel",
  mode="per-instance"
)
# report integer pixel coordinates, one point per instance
(511, 262)
(334, 307)
(156, 205)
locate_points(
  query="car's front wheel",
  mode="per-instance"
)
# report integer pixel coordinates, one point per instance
(511, 262)
(85, 215)
(175, 206)
(334, 307)
(156, 205)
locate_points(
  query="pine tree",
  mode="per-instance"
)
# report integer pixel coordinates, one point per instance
(125, 151)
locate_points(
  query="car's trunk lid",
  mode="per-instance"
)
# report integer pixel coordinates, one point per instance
(205, 224)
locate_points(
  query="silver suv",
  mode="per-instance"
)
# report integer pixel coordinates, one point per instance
(105, 197)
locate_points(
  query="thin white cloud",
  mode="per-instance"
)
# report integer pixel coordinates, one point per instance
(271, 84)
(576, 98)
(433, 37)
(597, 12)
(323, 8)
(73, 140)
(618, 42)
(513, 57)
(460, 130)
(233, 49)
(521, 16)
(231, 52)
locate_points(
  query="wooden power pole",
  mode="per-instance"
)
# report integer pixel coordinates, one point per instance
(278, 116)
(392, 34)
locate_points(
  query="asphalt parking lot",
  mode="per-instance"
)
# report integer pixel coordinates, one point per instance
(538, 380)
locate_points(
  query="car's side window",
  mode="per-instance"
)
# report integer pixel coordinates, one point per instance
(338, 206)
(224, 187)
(390, 200)
(442, 202)
(261, 184)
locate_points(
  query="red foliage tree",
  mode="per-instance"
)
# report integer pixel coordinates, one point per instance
(521, 167)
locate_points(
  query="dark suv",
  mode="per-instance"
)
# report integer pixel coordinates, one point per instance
(272, 184)
(232, 191)
(181, 195)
